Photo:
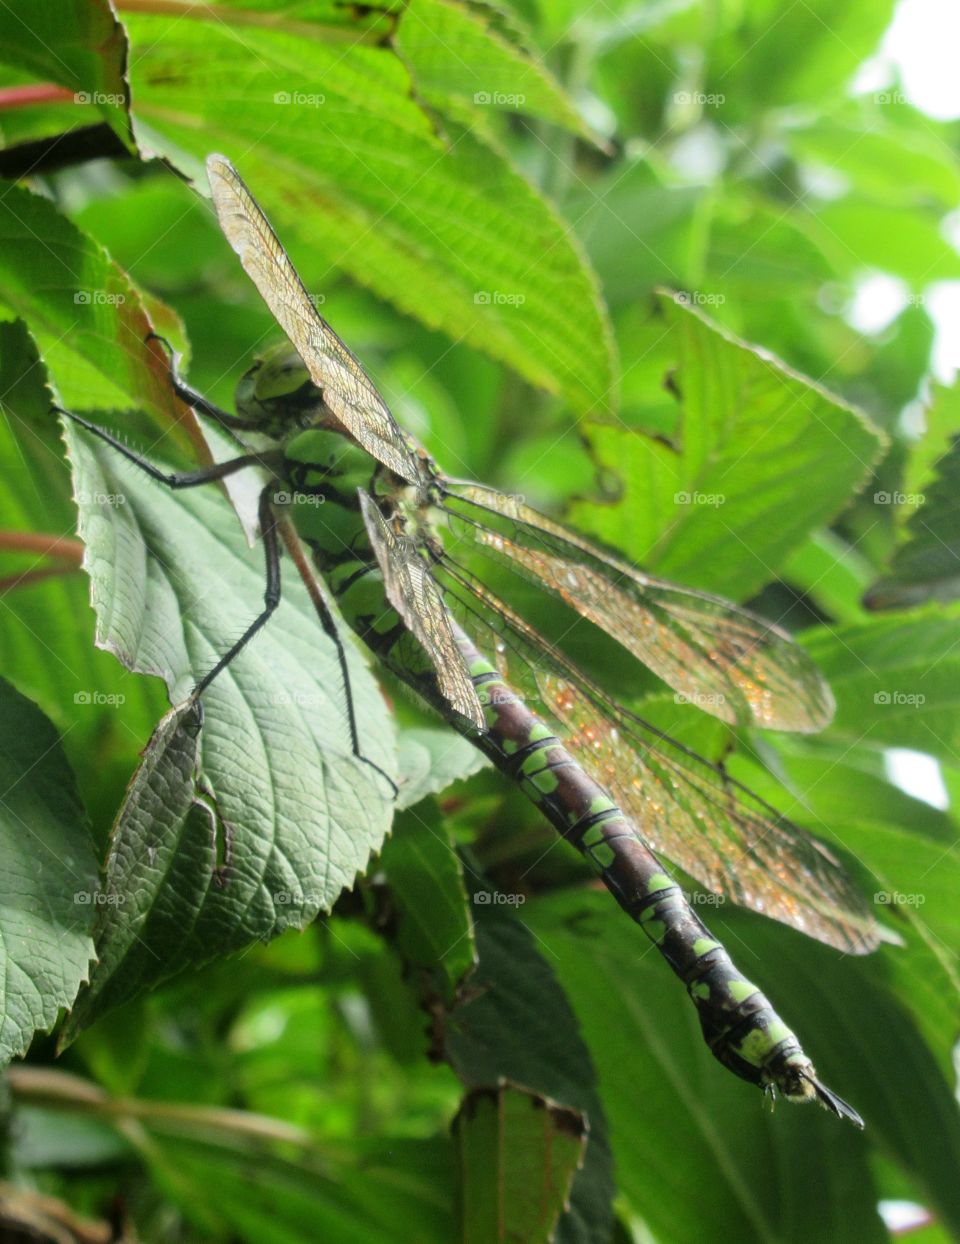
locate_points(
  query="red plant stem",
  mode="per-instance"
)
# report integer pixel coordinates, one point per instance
(37, 93)
(63, 547)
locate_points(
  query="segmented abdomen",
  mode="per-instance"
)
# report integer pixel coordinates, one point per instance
(739, 1024)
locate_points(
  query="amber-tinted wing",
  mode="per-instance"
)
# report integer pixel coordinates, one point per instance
(683, 806)
(726, 660)
(412, 591)
(347, 389)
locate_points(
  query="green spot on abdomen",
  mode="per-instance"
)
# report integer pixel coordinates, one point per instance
(703, 946)
(778, 1031)
(546, 781)
(740, 991)
(755, 1047)
(592, 835)
(601, 856)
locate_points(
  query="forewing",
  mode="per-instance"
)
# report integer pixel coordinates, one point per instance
(726, 660)
(347, 389)
(685, 808)
(413, 592)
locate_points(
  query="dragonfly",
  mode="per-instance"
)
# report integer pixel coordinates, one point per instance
(417, 563)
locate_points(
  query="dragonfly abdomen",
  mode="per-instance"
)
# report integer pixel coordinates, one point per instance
(741, 1027)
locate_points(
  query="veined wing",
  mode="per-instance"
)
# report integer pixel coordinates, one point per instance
(347, 389)
(412, 591)
(726, 660)
(684, 807)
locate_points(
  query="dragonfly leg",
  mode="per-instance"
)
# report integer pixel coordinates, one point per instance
(173, 479)
(333, 633)
(271, 593)
(192, 398)
(329, 624)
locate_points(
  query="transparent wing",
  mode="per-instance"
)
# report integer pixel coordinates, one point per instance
(412, 591)
(726, 660)
(347, 389)
(685, 808)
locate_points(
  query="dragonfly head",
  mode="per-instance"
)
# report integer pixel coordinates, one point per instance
(277, 395)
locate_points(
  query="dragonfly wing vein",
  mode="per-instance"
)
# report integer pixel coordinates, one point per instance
(728, 661)
(413, 592)
(347, 389)
(683, 806)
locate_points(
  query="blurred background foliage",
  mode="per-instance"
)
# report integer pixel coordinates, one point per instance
(489, 197)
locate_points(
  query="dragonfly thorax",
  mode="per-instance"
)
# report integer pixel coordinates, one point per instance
(318, 456)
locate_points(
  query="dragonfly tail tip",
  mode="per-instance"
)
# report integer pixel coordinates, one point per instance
(836, 1105)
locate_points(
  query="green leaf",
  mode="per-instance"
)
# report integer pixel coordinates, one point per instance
(48, 879)
(898, 163)
(832, 573)
(288, 814)
(516, 1023)
(942, 419)
(455, 50)
(859, 235)
(78, 44)
(717, 505)
(448, 231)
(632, 257)
(518, 1154)
(764, 253)
(83, 309)
(430, 925)
(927, 566)
(895, 679)
(803, 54)
(430, 758)
(46, 624)
(398, 1189)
